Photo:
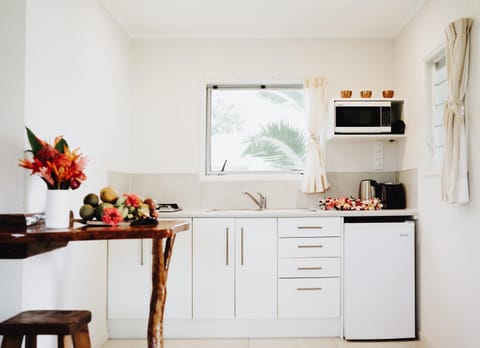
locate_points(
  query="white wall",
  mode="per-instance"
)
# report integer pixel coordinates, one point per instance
(448, 238)
(12, 95)
(76, 80)
(168, 105)
(12, 84)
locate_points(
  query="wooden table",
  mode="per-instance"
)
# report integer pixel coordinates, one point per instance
(21, 242)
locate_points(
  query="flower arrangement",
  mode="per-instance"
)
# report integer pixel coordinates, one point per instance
(350, 203)
(57, 165)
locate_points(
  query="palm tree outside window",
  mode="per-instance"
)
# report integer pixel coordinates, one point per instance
(257, 129)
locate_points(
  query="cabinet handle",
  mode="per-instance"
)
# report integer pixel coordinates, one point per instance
(309, 246)
(226, 246)
(309, 268)
(141, 252)
(241, 244)
(309, 289)
(309, 227)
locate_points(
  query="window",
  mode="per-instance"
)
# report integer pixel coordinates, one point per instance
(255, 129)
(438, 98)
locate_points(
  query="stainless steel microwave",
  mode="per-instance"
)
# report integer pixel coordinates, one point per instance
(364, 117)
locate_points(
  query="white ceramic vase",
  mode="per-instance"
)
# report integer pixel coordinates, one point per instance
(57, 213)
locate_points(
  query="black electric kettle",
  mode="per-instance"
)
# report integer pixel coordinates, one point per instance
(393, 196)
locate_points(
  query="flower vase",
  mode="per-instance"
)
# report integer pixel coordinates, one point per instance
(57, 214)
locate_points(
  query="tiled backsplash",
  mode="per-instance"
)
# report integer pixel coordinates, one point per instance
(189, 191)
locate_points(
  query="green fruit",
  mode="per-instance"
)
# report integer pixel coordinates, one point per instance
(91, 199)
(86, 212)
(99, 210)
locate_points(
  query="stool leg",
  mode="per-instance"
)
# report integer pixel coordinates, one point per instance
(12, 341)
(81, 338)
(64, 341)
(30, 341)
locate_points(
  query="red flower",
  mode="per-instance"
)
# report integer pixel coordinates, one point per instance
(111, 216)
(132, 200)
(59, 167)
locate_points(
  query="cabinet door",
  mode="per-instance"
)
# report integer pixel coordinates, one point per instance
(256, 268)
(130, 278)
(213, 268)
(179, 282)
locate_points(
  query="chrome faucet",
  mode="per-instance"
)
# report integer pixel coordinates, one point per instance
(261, 202)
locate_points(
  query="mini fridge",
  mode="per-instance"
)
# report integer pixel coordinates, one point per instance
(379, 280)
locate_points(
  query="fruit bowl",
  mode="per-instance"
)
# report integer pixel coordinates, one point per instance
(110, 208)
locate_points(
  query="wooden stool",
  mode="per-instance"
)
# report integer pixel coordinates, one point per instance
(55, 322)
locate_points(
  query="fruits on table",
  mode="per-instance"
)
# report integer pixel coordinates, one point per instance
(87, 212)
(152, 205)
(99, 210)
(130, 207)
(108, 195)
(91, 199)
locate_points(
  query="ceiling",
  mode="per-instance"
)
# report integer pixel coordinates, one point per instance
(262, 18)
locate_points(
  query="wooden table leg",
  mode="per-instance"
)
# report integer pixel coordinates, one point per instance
(12, 341)
(160, 264)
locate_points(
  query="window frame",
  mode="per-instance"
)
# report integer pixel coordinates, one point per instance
(207, 172)
(434, 167)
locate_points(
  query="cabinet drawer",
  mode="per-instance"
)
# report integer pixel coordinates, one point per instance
(309, 267)
(309, 247)
(308, 298)
(309, 227)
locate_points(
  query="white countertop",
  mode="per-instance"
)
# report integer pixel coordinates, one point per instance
(300, 212)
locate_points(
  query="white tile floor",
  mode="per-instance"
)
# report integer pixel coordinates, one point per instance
(266, 343)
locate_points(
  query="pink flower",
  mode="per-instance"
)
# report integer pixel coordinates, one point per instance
(111, 216)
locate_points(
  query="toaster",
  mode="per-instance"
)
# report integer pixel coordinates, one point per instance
(393, 196)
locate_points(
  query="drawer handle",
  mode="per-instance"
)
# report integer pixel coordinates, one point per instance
(309, 227)
(226, 246)
(309, 268)
(309, 289)
(309, 246)
(241, 246)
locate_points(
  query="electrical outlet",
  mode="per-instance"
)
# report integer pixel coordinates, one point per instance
(378, 155)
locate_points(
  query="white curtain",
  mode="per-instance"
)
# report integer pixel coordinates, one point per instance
(315, 177)
(455, 165)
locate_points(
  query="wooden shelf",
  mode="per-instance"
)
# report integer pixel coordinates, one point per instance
(365, 137)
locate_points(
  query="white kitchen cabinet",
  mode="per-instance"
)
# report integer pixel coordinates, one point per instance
(256, 268)
(309, 267)
(309, 247)
(213, 268)
(234, 268)
(130, 277)
(307, 227)
(309, 297)
(309, 251)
